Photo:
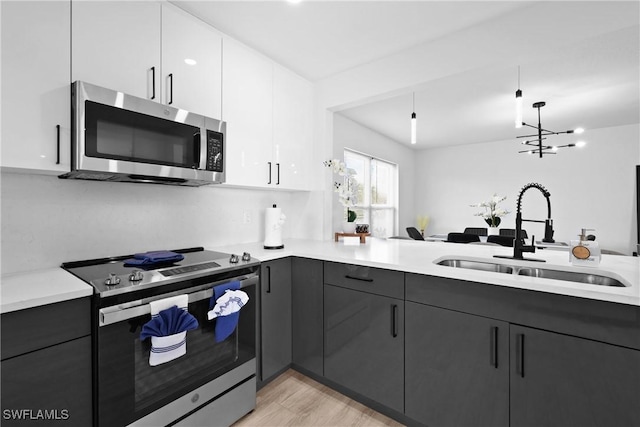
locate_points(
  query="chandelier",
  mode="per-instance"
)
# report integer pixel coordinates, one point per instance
(538, 140)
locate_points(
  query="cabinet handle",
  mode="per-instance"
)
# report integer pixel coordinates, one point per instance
(268, 279)
(170, 77)
(269, 173)
(394, 320)
(153, 82)
(362, 279)
(278, 173)
(493, 358)
(520, 354)
(57, 144)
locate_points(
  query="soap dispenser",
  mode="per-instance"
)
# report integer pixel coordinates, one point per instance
(584, 252)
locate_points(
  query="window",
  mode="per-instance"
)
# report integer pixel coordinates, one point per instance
(377, 192)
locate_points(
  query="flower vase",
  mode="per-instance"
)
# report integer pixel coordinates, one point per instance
(493, 231)
(348, 227)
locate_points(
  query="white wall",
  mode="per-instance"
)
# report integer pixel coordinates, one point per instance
(46, 221)
(349, 134)
(592, 187)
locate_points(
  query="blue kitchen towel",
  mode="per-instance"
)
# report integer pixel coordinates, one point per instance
(225, 325)
(157, 257)
(168, 322)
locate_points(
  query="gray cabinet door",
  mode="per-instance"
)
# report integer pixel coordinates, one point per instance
(53, 383)
(457, 368)
(307, 328)
(275, 297)
(364, 344)
(560, 380)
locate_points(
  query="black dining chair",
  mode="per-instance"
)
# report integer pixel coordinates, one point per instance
(502, 240)
(462, 238)
(512, 232)
(414, 233)
(480, 231)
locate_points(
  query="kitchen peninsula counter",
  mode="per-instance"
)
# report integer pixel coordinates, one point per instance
(411, 256)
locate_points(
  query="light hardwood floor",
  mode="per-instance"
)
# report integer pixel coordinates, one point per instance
(293, 399)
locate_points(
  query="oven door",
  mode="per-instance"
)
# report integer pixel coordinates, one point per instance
(128, 388)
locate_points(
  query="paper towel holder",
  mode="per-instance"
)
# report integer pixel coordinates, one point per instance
(274, 218)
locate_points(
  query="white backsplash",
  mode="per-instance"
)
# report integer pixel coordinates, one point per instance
(46, 221)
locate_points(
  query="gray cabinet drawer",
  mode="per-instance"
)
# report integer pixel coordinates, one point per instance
(39, 327)
(367, 279)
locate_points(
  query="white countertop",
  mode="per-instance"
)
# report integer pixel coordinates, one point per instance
(40, 287)
(414, 256)
(30, 289)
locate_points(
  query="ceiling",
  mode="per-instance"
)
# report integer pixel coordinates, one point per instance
(581, 58)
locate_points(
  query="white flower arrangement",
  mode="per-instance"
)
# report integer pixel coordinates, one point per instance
(492, 212)
(345, 189)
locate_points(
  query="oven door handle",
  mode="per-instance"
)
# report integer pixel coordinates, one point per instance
(115, 314)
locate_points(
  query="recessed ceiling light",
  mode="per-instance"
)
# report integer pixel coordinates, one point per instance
(580, 144)
(578, 130)
(294, 1)
(190, 61)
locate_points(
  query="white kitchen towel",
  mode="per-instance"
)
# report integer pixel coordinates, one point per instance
(166, 349)
(230, 302)
(182, 301)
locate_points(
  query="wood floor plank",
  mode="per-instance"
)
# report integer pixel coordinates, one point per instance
(293, 399)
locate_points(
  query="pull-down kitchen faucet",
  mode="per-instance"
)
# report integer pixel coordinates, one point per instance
(518, 245)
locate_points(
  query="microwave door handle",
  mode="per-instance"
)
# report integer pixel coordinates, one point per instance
(197, 160)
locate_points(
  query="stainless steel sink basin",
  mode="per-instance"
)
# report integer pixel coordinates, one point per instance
(571, 276)
(477, 265)
(546, 273)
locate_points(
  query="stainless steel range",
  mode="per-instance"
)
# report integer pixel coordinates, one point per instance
(212, 382)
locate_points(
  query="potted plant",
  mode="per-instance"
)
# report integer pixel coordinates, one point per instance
(492, 213)
(346, 189)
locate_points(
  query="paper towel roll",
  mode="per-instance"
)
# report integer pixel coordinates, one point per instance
(273, 220)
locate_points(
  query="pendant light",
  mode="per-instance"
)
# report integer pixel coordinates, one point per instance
(518, 103)
(413, 121)
(538, 139)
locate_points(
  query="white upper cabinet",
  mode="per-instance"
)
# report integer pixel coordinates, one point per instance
(191, 63)
(247, 107)
(268, 111)
(292, 128)
(35, 85)
(148, 49)
(117, 45)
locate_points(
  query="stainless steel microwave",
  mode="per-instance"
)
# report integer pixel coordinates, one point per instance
(119, 137)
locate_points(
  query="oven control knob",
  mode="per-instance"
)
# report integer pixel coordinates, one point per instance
(112, 280)
(234, 259)
(246, 256)
(135, 276)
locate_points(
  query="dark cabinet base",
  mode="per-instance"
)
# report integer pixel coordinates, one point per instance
(51, 386)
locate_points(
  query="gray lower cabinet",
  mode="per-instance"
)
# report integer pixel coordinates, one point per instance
(560, 380)
(456, 368)
(46, 365)
(275, 295)
(307, 314)
(364, 344)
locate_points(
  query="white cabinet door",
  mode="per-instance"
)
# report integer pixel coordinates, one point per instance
(292, 129)
(35, 85)
(116, 44)
(247, 107)
(191, 63)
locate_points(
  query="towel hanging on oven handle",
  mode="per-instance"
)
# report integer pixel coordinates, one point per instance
(118, 313)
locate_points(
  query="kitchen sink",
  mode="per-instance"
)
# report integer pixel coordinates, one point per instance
(546, 273)
(477, 265)
(571, 276)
